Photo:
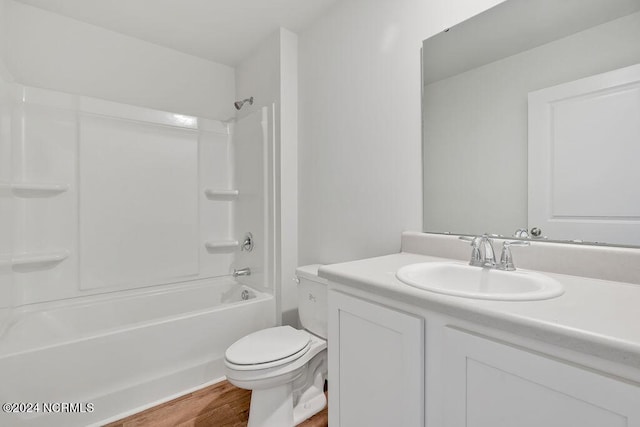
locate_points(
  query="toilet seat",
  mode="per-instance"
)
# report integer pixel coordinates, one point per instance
(268, 348)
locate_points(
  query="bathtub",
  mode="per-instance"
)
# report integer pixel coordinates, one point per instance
(113, 355)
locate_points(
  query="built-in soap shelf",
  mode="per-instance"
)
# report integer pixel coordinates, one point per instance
(34, 259)
(221, 194)
(214, 245)
(33, 189)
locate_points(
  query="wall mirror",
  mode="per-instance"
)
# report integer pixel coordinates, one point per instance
(531, 118)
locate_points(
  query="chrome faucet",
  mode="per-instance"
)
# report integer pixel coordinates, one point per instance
(489, 259)
(483, 255)
(241, 272)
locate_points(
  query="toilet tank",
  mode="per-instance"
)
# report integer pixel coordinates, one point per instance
(312, 300)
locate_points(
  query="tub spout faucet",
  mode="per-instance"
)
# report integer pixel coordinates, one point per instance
(241, 272)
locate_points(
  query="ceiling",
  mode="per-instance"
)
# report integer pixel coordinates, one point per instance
(223, 31)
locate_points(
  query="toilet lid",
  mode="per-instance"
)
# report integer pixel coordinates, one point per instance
(267, 345)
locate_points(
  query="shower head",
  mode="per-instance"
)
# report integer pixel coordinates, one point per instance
(239, 104)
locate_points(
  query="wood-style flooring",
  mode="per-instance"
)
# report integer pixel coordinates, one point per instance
(219, 405)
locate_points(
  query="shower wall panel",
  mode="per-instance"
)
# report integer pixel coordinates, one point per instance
(101, 196)
(216, 173)
(44, 145)
(252, 149)
(138, 203)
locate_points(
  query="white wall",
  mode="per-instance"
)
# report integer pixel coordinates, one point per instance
(270, 75)
(4, 73)
(50, 51)
(258, 75)
(360, 137)
(288, 175)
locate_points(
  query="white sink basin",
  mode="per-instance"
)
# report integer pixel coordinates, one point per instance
(463, 280)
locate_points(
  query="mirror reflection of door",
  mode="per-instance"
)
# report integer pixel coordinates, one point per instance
(584, 146)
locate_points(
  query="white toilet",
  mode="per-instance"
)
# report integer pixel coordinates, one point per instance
(285, 367)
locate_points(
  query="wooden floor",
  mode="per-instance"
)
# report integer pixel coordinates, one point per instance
(219, 405)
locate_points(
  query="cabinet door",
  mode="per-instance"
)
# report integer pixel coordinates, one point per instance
(490, 384)
(376, 365)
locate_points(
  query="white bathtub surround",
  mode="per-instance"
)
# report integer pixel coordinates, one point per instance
(253, 146)
(115, 282)
(482, 351)
(77, 200)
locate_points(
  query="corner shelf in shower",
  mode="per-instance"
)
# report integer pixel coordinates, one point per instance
(214, 245)
(32, 189)
(35, 259)
(221, 194)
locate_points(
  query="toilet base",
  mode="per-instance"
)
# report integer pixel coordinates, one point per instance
(274, 407)
(311, 398)
(309, 408)
(271, 407)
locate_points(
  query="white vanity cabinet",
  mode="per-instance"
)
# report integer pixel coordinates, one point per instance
(394, 364)
(488, 383)
(376, 364)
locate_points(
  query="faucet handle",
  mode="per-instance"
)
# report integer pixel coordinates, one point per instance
(506, 259)
(476, 257)
(247, 243)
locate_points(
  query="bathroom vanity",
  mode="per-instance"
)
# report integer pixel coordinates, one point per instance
(405, 356)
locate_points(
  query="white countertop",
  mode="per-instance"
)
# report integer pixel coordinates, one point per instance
(593, 316)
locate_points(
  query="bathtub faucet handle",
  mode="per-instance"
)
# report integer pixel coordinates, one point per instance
(247, 243)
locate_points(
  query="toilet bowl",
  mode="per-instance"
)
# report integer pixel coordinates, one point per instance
(285, 368)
